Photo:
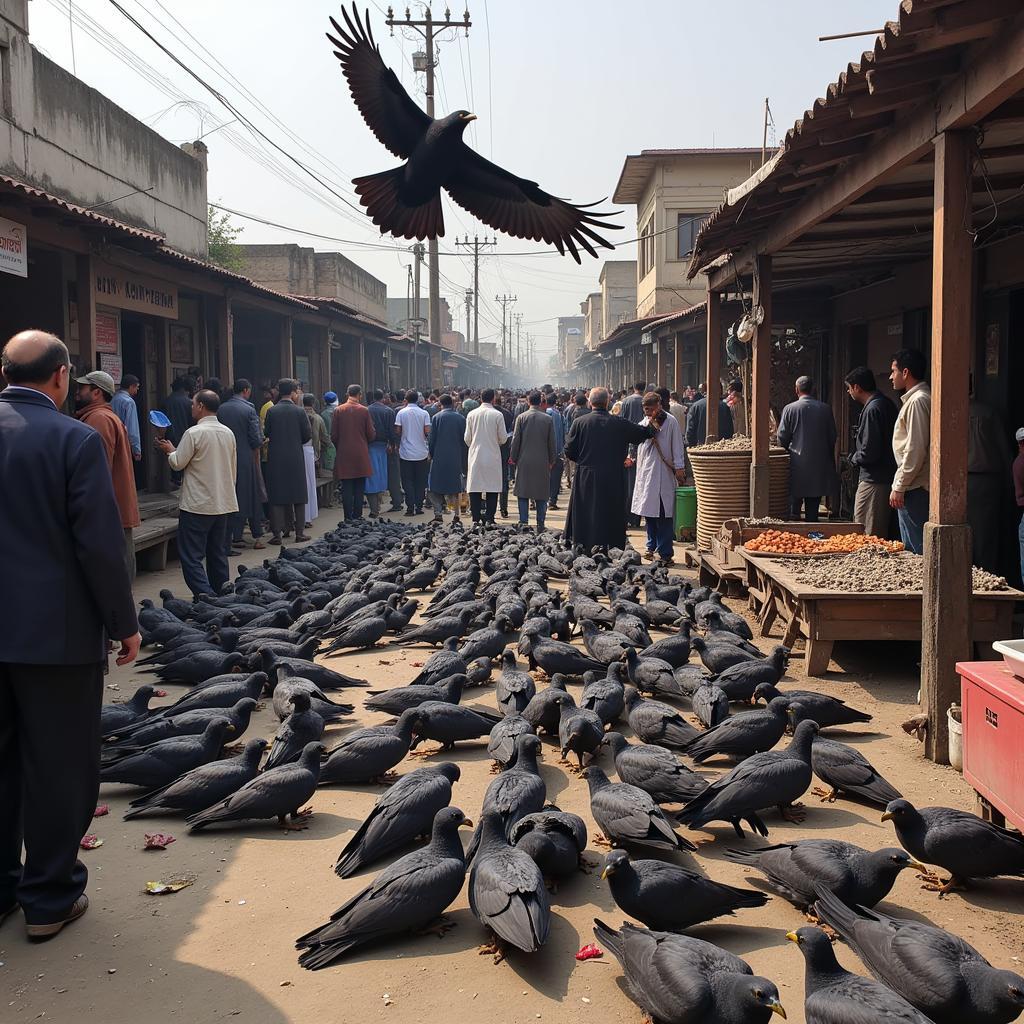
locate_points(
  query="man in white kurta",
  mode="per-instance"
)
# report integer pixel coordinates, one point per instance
(660, 468)
(485, 434)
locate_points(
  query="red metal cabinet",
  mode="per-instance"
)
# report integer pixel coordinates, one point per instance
(992, 698)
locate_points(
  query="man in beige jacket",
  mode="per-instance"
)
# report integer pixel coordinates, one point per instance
(910, 442)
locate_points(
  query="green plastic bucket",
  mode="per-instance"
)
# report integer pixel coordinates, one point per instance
(686, 509)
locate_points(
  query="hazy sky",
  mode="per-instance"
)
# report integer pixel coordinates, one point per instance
(564, 89)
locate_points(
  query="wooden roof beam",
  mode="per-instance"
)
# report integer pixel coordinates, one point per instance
(903, 75)
(996, 75)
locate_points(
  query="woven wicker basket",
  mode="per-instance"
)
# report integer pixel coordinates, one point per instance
(723, 488)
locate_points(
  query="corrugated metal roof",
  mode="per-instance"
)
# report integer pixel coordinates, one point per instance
(678, 316)
(909, 63)
(79, 211)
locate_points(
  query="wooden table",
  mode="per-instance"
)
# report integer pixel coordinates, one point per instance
(821, 617)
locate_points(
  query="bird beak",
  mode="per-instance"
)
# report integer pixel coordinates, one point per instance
(466, 823)
(887, 816)
(776, 1007)
(469, 117)
(606, 873)
(917, 865)
(793, 937)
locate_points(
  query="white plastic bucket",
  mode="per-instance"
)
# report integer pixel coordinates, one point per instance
(956, 738)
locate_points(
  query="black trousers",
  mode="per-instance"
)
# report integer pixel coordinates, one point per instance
(49, 781)
(506, 451)
(810, 506)
(477, 507)
(352, 492)
(414, 483)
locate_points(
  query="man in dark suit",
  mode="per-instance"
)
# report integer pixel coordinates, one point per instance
(287, 428)
(697, 422)
(65, 585)
(239, 414)
(807, 430)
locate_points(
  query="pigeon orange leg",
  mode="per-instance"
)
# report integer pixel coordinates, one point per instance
(439, 927)
(793, 813)
(600, 840)
(290, 826)
(493, 948)
(952, 884)
(828, 796)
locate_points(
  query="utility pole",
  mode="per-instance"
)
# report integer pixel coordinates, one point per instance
(506, 301)
(476, 245)
(519, 349)
(764, 136)
(417, 320)
(426, 28)
(470, 293)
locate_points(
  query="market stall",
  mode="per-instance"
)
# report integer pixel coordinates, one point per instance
(848, 597)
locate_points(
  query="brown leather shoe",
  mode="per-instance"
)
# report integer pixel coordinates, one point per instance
(42, 932)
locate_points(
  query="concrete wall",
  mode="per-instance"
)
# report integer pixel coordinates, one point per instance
(64, 137)
(688, 184)
(570, 339)
(398, 313)
(298, 270)
(618, 293)
(593, 322)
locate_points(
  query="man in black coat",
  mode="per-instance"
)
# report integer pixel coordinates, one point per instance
(239, 414)
(872, 453)
(287, 429)
(598, 443)
(697, 422)
(65, 586)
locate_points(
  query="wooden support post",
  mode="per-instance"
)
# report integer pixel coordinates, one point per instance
(761, 388)
(714, 363)
(946, 600)
(677, 364)
(287, 355)
(86, 314)
(225, 341)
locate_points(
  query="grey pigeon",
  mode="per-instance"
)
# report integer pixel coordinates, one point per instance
(655, 722)
(654, 769)
(604, 645)
(441, 664)
(856, 876)
(479, 671)
(402, 813)
(199, 666)
(554, 656)
(202, 786)
(327, 709)
(710, 704)
(501, 745)
(673, 649)
(516, 791)
(224, 694)
(487, 642)
(722, 619)
(605, 696)
(515, 688)
(718, 657)
(742, 735)
(545, 709)
(554, 839)
(945, 978)
(368, 754)
(320, 676)
(401, 698)
(506, 890)
(165, 760)
(189, 723)
(302, 727)
(671, 898)
(114, 717)
(677, 979)
(629, 816)
(815, 707)
(963, 844)
(359, 634)
(832, 995)
(772, 779)
(691, 678)
(651, 675)
(436, 631)
(447, 724)
(276, 793)
(846, 770)
(579, 731)
(405, 897)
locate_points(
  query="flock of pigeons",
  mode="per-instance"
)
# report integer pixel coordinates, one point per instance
(488, 599)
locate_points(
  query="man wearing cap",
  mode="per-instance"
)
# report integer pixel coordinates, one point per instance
(93, 404)
(330, 453)
(1018, 490)
(123, 404)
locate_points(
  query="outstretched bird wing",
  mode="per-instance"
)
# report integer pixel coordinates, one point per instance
(521, 208)
(386, 107)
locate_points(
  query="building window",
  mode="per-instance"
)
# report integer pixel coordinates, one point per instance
(6, 107)
(688, 227)
(646, 252)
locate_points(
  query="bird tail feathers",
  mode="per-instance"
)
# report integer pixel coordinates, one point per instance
(831, 910)
(381, 195)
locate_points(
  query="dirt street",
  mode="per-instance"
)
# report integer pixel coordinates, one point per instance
(223, 949)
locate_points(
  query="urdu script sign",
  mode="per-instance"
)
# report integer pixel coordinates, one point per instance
(13, 248)
(125, 289)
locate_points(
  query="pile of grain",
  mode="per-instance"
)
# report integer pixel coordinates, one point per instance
(874, 569)
(736, 443)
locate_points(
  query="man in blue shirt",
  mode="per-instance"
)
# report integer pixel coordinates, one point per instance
(556, 470)
(123, 404)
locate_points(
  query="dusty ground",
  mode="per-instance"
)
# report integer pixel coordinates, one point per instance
(223, 948)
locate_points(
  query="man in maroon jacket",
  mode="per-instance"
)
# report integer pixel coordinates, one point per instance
(352, 431)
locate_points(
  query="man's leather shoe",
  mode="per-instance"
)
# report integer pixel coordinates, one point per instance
(42, 932)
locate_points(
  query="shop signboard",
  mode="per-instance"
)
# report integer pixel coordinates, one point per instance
(13, 248)
(112, 364)
(106, 332)
(125, 289)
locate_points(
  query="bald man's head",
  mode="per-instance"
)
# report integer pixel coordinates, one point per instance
(599, 398)
(33, 357)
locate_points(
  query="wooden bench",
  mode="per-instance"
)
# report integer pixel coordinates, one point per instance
(151, 539)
